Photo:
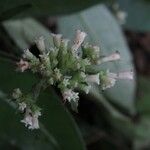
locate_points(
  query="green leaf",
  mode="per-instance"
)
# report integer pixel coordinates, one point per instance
(58, 129)
(142, 104)
(103, 30)
(25, 31)
(143, 96)
(19, 8)
(138, 11)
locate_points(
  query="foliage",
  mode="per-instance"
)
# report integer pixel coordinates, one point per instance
(117, 117)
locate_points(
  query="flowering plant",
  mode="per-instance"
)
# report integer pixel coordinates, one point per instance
(67, 68)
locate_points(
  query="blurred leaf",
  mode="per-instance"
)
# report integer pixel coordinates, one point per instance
(25, 31)
(143, 102)
(104, 31)
(138, 11)
(143, 96)
(58, 129)
(19, 8)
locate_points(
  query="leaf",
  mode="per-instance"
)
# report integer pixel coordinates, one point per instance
(19, 8)
(134, 9)
(58, 129)
(24, 32)
(143, 96)
(142, 104)
(103, 30)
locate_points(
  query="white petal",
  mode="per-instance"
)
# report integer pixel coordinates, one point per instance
(22, 106)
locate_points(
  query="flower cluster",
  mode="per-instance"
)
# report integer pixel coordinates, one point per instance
(69, 69)
(25, 105)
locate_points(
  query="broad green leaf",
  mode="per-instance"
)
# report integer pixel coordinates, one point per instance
(103, 30)
(13, 133)
(138, 11)
(25, 31)
(58, 129)
(17, 8)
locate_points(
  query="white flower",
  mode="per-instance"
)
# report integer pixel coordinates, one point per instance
(96, 50)
(28, 55)
(125, 75)
(27, 118)
(93, 78)
(112, 57)
(51, 81)
(22, 106)
(57, 73)
(87, 89)
(40, 44)
(64, 43)
(79, 38)
(31, 119)
(70, 95)
(23, 65)
(16, 93)
(108, 80)
(57, 39)
(65, 82)
(83, 75)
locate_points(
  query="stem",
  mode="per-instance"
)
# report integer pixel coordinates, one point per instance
(38, 87)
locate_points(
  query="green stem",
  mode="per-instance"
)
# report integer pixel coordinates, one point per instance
(38, 87)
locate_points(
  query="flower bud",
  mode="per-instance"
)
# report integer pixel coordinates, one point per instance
(126, 75)
(112, 57)
(93, 78)
(57, 39)
(23, 65)
(40, 44)
(79, 38)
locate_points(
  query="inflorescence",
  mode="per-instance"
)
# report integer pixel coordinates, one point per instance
(68, 68)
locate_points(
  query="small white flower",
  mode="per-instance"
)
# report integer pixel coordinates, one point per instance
(28, 55)
(31, 119)
(79, 38)
(45, 59)
(40, 44)
(57, 38)
(96, 50)
(57, 73)
(22, 106)
(83, 75)
(23, 65)
(87, 89)
(65, 82)
(35, 123)
(70, 95)
(108, 80)
(78, 65)
(125, 75)
(112, 57)
(27, 118)
(87, 62)
(16, 93)
(51, 81)
(64, 43)
(93, 78)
